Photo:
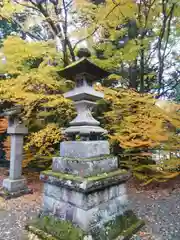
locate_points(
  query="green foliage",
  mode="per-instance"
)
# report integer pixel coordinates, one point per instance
(127, 33)
(6, 29)
(146, 170)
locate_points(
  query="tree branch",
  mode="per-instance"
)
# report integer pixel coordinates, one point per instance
(31, 35)
(170, 15)
(167, 90)
(25, 5)
(96, 28)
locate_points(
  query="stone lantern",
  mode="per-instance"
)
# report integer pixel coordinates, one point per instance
(15, 184)
(85, 186)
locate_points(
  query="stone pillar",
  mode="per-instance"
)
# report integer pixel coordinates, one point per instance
(16, 182)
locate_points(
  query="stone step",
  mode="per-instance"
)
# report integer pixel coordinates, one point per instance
(85, 167)
(84, 149)
(85, 184)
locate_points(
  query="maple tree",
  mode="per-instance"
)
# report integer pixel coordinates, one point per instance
(34, 83)
(136, 40)
(133, 120)
(137, 124)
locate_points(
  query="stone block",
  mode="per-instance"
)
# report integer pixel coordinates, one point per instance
(86, 219)
(82, 200)
(85, 167)
(17, 129)
(84, 149)
(14, 185)
(88, 184)
(16, 157)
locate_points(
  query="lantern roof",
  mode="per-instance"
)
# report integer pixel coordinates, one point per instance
(83, 66)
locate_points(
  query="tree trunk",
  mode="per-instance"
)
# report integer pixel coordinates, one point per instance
(133, 75)
(142, 71)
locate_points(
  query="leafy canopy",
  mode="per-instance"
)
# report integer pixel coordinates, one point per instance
(34, 83)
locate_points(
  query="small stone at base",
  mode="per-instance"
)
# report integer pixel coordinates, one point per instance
(8, 195)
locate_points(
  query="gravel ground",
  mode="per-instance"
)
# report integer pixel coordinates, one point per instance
(161, 212)
(15, 213)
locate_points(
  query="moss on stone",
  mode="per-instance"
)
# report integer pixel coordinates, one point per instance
(123, 226)
(80, 179)
(107, 175)
(50, 228)
(104, 157)
(39, 233)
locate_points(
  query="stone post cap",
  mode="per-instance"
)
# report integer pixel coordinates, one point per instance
(18, 129)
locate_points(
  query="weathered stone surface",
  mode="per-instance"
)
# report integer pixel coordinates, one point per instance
(85, 185)
(17, 129)
(15, 182)
(86, 167)
(6, 194)
(81, 200)
(85, 130)
(84, 115)
(14, 185)
(84, 93)
(86, 219)
(84, 149)
(16, 156)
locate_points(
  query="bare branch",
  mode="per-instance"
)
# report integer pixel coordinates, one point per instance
(170, 15)
(168, 89)
(68, 4)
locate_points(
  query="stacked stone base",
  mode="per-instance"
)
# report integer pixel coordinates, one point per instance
(88, 191)
(85, 210)
(97, 205)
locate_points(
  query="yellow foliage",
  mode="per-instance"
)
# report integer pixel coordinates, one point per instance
(9, 8)
(21, 55)
(37, 87)
(136, 122)
(41, 142)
